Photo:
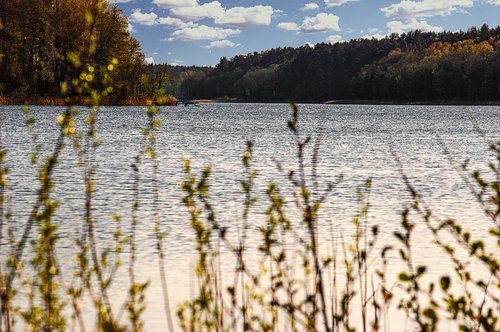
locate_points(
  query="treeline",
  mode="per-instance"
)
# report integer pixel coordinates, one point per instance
(173, 79)
(465, 70)
(46, 42)
(414, 66)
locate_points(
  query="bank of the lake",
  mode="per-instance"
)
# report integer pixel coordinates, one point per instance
(361, 102)
(417, 102)
(107, 101)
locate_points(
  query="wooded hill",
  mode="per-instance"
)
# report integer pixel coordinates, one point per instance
(416, 66)
(44, 43)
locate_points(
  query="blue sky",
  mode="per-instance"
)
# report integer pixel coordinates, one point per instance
(200, 32)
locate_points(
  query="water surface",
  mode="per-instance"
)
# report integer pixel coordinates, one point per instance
(358, 142)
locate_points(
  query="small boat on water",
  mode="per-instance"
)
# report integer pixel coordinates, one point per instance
(187, 102)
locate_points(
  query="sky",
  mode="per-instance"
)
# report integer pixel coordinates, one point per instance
(200, 32)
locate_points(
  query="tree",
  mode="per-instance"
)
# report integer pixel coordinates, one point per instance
(40, 39)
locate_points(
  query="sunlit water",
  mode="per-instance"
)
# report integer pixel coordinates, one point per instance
(358, 142)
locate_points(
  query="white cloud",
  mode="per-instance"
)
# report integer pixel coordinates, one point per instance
(278, 12)
(320, 22)
(143, 18)
(375, 35)
(494, 2)
(334, 39)
(212, 9)
(290, 26)
(426, 8)
(131, 29)
(246, 16)
(149, 61)
(175, 3)
(221, 44)
(373, 31)
(236, 16)
(413, 24)
(173, 21)
(119, 1)
(202, 32)
(331, 3)
(150, 19)
(312, 6)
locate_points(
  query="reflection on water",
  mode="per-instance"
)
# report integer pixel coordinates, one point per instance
(357, 141)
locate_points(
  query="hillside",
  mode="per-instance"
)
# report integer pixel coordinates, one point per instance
(412, 67)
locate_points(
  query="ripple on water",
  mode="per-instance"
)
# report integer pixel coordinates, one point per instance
(357, 141)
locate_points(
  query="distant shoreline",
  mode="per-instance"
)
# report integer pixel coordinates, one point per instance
(423, 103)
(360, 102)
(143, 102)
(45, 101)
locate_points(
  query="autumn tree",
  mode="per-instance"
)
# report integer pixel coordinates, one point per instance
(413, 66)
(40, 37)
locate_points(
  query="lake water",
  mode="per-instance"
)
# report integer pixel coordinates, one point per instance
(356, 141)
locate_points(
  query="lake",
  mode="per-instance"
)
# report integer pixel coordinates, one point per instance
(356, 141)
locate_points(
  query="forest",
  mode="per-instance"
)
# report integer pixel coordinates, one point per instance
(44, 43)
(412, 67)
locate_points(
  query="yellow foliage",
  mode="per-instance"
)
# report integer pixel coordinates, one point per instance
(394, 53)
(166, 100)
(471, 47)
(439, 49)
